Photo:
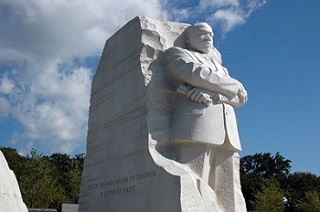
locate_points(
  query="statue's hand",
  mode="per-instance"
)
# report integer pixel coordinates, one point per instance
(199, 96)
(243, 95)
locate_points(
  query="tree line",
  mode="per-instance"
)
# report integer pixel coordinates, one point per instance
(46, 181)
(267, 184)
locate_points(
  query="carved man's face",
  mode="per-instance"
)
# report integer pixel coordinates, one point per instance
(200, 38)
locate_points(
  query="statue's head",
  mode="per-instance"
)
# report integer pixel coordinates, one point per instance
(199, 37)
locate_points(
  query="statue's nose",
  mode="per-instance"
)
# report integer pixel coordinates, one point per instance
(208, 38)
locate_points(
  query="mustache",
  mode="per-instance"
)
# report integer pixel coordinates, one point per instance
(207, 42)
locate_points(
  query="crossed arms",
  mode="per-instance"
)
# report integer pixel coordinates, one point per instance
(203, 83)
(207, 97)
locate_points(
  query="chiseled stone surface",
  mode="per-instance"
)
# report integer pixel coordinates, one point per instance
(10, 196)
(119, 171)
(130, 165)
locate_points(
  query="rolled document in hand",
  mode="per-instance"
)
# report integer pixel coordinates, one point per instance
(215, 97)
(184, 89)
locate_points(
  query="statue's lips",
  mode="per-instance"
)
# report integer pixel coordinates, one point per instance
(206, 43)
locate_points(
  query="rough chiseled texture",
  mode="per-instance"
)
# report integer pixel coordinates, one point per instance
(129, 164)
(120, 173)
(10, 196)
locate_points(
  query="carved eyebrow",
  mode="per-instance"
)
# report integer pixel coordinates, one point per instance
(205, 31)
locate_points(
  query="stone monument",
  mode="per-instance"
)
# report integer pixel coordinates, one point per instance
(10, 196)
(162, 130)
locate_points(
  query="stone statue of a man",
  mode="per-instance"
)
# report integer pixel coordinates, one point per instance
(203, 120)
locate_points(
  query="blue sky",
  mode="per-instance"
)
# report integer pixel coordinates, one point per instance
(49, 51)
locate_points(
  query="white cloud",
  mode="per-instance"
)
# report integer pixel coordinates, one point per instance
(231, 13)
(44, 88)
(6, 85)
(253, 5)
(222, 14)
(211, 4)
(78, 27)
(228, 19)
(181, 14)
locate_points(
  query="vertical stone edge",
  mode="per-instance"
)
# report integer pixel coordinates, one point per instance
(163, 193)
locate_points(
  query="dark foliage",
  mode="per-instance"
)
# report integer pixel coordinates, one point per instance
(46, 182)
(298, 187)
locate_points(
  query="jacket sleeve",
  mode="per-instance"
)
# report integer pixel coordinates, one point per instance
(186, 69)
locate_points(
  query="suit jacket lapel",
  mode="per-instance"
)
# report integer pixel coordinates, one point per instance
(202, 58)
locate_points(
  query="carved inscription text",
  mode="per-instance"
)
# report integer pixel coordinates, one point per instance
(121, 185)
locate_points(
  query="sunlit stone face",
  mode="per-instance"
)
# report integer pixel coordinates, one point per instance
(200, 38)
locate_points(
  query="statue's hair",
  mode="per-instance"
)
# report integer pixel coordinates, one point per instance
(192, 27)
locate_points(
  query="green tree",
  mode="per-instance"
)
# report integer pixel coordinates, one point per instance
(74, 176)
(61, 164)
(44, 181)
(270, 198)
(266, 166)
(68, 174)
(38, 186)
(310, 203)
(256, 168)
(76, 173)
(300, 183)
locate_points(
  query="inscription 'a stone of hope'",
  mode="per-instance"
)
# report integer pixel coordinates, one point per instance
(115, 186)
